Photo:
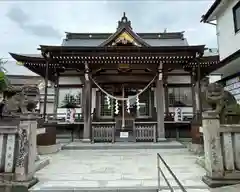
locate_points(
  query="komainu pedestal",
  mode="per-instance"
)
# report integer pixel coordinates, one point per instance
(18, 152)
(221, 148)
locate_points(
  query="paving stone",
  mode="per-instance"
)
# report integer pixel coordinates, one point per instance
(118, 168)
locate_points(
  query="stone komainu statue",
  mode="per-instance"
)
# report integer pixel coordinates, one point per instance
(24, 101)
(216, 100)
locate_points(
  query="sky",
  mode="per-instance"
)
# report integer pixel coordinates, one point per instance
(27, 24)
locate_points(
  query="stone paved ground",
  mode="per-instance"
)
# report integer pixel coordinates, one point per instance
(121, 168)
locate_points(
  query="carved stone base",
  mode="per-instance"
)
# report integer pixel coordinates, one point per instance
(213, 183)
(17, 186)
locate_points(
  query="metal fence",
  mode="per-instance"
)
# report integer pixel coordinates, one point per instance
(161, 173)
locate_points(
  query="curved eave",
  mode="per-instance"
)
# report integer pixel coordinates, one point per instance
(33, 63)
(207, 64)
(27, 58)
(154, 49)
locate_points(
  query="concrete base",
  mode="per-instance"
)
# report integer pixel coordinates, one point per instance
(48, 149)
(214, 183)
(17, 186)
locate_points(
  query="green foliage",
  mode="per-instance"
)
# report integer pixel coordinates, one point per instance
(4, 82)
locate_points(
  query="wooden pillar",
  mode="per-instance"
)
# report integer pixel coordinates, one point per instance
(98, 97)
(87, 95)
(166, 95)
(193, 83)
(195, 134)
(46, 56)
(160, 106)
(199, 111)
(56, 97)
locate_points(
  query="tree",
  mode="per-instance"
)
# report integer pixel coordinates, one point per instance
(4, 82)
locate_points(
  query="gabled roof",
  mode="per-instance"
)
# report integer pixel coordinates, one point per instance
(124, 31)
(214, 6)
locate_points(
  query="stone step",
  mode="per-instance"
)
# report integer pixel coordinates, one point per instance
(122, 145)
(121, 189)
(84, 186)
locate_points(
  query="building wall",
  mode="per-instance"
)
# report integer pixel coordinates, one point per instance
(228, 40)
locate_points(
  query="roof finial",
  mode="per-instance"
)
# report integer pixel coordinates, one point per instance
(124, 21)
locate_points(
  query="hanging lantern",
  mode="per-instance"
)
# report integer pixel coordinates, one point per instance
(116, 107)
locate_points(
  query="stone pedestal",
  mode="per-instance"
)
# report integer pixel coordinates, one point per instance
(18, 152)
(220, 151)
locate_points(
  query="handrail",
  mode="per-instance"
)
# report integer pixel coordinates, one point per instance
(159, 157)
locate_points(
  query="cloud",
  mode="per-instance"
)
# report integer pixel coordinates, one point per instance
(18, 16)
(27, 24)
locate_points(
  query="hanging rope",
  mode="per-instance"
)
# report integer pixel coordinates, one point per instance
(121, 98)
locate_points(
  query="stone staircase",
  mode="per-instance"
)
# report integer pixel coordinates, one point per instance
(120, 169)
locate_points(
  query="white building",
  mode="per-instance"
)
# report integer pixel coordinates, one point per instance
(225, 15)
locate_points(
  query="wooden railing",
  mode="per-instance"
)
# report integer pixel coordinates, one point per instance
(145, 131)
(103, 131)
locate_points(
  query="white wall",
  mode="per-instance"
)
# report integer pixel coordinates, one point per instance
(69, 80)
(228, 41)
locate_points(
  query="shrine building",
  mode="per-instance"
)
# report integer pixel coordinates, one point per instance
(122, 86)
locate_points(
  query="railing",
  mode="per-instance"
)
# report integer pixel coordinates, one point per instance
(145, 131)
(160, 172)
(103, 131)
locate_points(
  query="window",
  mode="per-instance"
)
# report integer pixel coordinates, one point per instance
(180, 96)
(236, 17)
(69, 97)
